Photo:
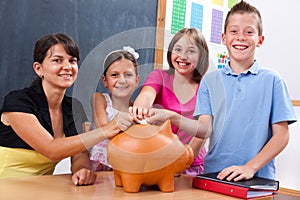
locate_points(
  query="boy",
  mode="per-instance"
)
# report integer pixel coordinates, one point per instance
(248, 106)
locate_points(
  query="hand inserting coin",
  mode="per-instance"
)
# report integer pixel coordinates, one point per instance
(138, 120)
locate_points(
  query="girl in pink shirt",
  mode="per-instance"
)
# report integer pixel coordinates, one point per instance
(175, 89)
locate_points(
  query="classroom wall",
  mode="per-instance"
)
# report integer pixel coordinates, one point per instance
(280, 49)
(288, 162)
(280, 52)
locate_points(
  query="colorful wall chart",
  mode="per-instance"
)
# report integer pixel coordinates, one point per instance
(178, 15)
(196, 16)
(231, 3)
(216, 26)
(218, 2)
(207, 16)
(223, 59)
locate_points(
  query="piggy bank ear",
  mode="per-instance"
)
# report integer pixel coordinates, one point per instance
(166, 128)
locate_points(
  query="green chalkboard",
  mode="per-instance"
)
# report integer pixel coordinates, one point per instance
(98, 26)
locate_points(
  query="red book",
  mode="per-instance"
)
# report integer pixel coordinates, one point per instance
(252, 188)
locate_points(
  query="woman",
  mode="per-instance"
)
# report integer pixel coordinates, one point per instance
(38, 123)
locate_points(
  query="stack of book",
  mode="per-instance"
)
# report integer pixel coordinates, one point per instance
(252, 188)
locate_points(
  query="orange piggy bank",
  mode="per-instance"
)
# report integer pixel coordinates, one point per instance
(148, 155)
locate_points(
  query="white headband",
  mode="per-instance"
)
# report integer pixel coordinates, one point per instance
(132, 51)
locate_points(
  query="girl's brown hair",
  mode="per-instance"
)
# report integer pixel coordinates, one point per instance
(47, 41)
(118, 55)
(200, 41)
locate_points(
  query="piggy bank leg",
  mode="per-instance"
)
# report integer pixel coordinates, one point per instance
(118, 179)
(131, 182)
(166, 183)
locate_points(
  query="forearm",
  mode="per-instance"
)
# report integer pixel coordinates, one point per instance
(275, 145)
(81, 170)
(30, 131)
(80, 161)
(60, 148)
(143, 102)
(196, 144)
(200, 128)
(99, 105)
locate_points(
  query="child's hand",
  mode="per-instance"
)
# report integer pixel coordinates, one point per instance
(236, 173)
(139, 114)
(157, 115)
(84, 177)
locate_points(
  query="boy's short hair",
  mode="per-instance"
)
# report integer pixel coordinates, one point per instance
(241, 8)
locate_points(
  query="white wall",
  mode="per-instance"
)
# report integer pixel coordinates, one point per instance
(288, 161)
(280, 52)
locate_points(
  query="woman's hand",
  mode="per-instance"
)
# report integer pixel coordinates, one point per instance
(84, 177)
(121, 122)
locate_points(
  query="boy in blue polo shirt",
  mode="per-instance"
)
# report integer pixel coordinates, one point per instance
(248, 106)
(244, 109)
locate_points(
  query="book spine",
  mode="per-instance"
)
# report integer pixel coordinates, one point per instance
(222, 188)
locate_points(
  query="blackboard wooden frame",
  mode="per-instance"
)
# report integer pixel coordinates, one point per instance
(160, 25)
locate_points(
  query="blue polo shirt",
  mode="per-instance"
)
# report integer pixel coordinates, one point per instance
(243, 107)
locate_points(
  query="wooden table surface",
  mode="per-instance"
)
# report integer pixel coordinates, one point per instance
(60, 187)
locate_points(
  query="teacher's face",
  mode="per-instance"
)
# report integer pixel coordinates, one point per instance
(59, 69)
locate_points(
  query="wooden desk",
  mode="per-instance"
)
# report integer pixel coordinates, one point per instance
(60, 187)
